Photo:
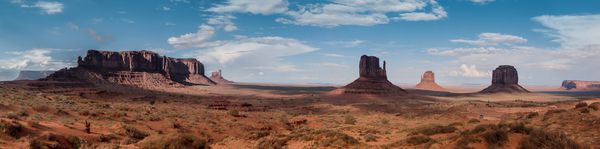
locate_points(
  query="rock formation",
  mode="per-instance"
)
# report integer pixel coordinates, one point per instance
(138, 68)
(372, 79)
(428, 82)
(580, 85)
(217, 77)
(505, 79)
(33, 75)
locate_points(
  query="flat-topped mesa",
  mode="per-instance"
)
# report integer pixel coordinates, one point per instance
(217, 77)
(580, 85)
(140, 68)
(505, 79)
(428, 82)
(372, 80)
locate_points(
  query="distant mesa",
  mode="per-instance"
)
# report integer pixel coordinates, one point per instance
(428, 82)
(136, 68)
(505, 79)
(578, 85)
(373, 80)
(33, 75)
(217, 77)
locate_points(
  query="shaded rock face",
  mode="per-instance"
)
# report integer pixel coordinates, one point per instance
(139, 68)
(505, 79)
(428, 82)
(217, 77)
(372, 79)
(580, 85)
(33, 75)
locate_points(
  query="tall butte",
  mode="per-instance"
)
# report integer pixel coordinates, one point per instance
(428, 82)
(372, 80)
(135, 68)
(505, 79)
(217, 76)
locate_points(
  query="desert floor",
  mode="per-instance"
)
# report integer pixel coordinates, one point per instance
(36, 114)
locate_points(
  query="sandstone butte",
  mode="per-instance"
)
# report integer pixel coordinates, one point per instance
(135, 68)
(217, 77)
(372, 80)
(505, 79)
(579, 85)
(428, 82)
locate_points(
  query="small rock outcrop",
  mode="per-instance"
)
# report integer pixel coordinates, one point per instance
(138, 68)
(372, 79)
(579, 85)
(428, 82)
(33, 75)
(505, 79)
(217, 77)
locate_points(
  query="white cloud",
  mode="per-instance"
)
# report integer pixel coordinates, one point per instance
(464, 51)
(264, 7)
(30, 59)
(127, 21)
(491, 39)
(165, 8)
(347, 44)
(482, 1)
(170, 24)
(331, 55)
(470, 71)
(223, 21)
(47, 7)
(573, 31)
(362, 13)
(196, 39)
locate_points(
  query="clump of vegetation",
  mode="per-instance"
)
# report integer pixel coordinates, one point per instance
(594, 106)
(324, 138)
(11, 128)
(349, 119)
(255, 135)
(370, 137)
(88, 126)
(473, 121)
(134, 132)
(584, 110)
(435, 129)
(581, 105)
(549, 112)
(419, 139)
(532, 115)
(271, 143)
(464, 142)
(496, 137)
(174, 141)
(542, 139)
(233, 112)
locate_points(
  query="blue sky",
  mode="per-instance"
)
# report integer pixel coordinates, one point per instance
(279, 41)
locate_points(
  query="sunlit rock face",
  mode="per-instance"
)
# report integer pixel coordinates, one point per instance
(505, 79)
(428, 82)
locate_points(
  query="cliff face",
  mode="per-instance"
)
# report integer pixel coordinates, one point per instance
(428, 82)
(139, 68)
(505, 79)
(372, 79)
(580, 85)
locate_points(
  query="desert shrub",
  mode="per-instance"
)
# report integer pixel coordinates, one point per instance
(41, 108)
(349, 119)
(84, 113)
(473, 121)
(549, 112)
(174, 141)
(436, 129)
(418, 139)
(76, 142)
(595, 106)
(271, 143)
(36, 144)
(107, 138)
(255, 135)
(233, 112)
(581, 105)
(325, 138)
(532, 115)
(134, 132)
(384, 121)
(370, 138)
(34, 124)
(496, 137)
(11, 128)
(548, 140)
(456, 124)
(464, 142)
(584, 110)
(519, 128)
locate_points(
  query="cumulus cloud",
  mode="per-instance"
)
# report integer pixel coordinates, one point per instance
(264, 7)
(362, 13)
(470, 71)
(197, 39)
(223, 21)
(464, 51)
(491, 39)
(47, 7)
(30, 59)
